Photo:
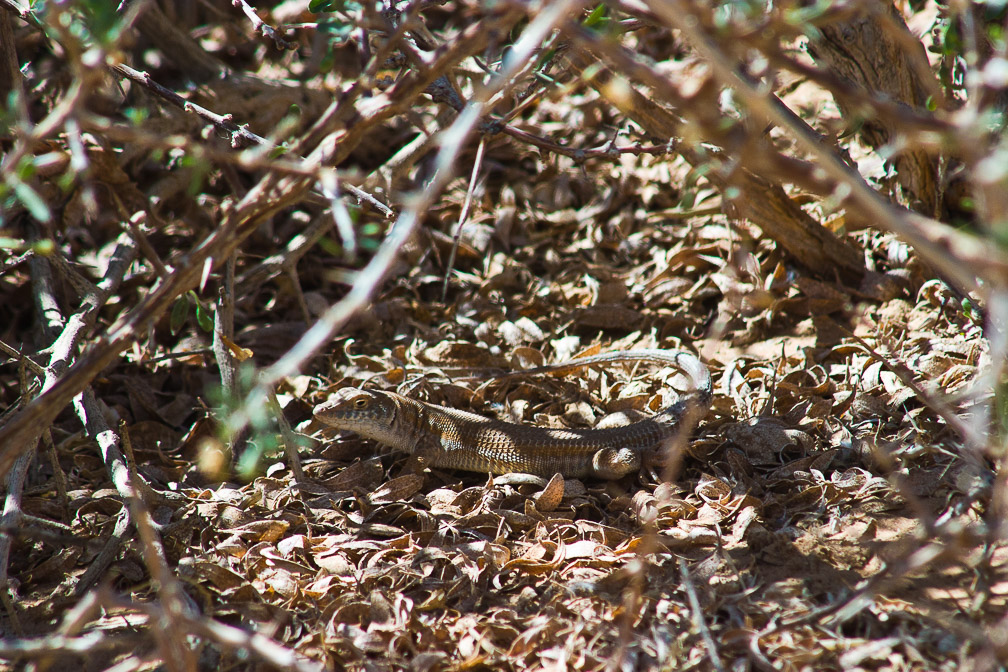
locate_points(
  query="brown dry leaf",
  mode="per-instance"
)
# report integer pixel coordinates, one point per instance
(956, 377)
(823, 298)
(233, 545)
(261, 530)
(764, 439)
(396, 490)
(462, 354)
(548, 499)
(522, 330)
(611, 316)
(745, 518)
(541, 557)
(335, 563)
(240, 353)
(359, 475)
(219, 576)
(883, 287)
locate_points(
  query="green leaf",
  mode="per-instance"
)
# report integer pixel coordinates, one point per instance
(204, 318)
(598, 17)
(31, 201)
(339, 31)
(178, 314)
(249, 462)
(136, 115)
(330, 246)
(43, 247)
(970, 311)
(319, 6)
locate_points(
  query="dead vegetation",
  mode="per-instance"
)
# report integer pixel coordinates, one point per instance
(215, 215)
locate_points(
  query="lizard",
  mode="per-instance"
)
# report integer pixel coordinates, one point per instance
(456, 439)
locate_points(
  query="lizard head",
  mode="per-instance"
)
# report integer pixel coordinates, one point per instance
(370, 413)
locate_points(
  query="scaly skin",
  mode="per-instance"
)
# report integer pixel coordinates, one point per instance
(448, 437)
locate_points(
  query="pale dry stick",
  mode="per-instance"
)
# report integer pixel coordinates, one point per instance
(76, 618)
(168, 356)
(330, 187)
(49, 531)
(666, 112)
(286, 260)
(13, 516)
(883, 108)
(273, 652)
(81, 285)
(290, 439)
(580, 154)
(252, 158)
(135, 221)
(61, 354)
(998, 339)
(262, 27)
(124, 479)
(452, 140)
(227, 636)
(223, 332)
(402, 161)
(972, 435)
(46, 646)
(22, 358)
(48, 126)
(12, 261)
(698, 617)
(52, 321)
(67, 641)
(922, 232)
(171, 629)
(389, 173)
(23, 13)
(239, 134)
(111, 548)
(462, 217)
(50, 315)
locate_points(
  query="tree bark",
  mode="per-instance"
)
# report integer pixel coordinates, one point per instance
(877, 54)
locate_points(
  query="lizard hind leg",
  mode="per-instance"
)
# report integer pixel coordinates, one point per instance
(613, 463)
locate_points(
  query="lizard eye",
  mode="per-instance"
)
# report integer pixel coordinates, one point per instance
(360, 402)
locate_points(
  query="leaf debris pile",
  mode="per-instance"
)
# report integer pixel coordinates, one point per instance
(806, 524)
